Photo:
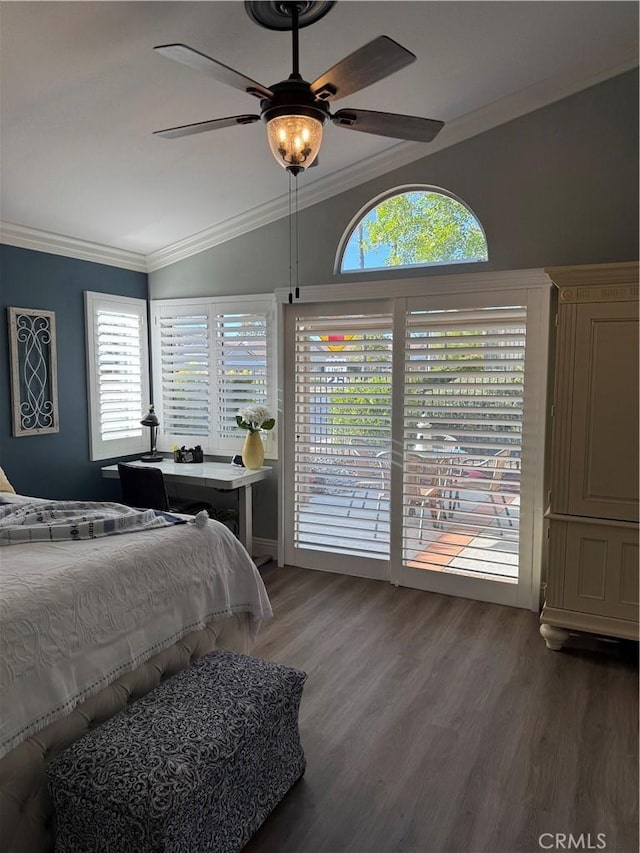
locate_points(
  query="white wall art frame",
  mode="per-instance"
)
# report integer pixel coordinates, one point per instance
(34, 371)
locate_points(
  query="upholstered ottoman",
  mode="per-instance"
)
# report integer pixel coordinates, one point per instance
(195, 766)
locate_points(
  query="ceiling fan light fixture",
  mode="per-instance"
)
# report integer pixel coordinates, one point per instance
(295, 110)
(294, 140)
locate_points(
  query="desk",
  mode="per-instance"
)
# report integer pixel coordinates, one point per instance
(210, 475)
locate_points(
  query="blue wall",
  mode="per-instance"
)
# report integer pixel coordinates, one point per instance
(57, 465)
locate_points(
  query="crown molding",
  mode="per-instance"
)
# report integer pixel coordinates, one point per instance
(70, 247)
(492, 115)
(599, 275)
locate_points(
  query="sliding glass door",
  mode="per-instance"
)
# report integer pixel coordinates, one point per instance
(462, 426)
(340, 416)
(413, 449)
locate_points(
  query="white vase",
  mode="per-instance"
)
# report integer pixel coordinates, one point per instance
(253, 450)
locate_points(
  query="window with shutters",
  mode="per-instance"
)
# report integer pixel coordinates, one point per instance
(211, 357)
(118, 374)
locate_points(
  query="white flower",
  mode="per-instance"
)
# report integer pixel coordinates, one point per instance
(255, 418)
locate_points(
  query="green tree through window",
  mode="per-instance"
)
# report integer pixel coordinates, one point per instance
(415, 228)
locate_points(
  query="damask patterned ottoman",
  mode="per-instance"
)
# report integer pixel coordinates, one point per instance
(195, 766)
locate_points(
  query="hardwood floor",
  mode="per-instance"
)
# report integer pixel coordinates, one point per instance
(434, 724)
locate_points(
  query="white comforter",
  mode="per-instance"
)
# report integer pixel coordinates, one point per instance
(75, 615)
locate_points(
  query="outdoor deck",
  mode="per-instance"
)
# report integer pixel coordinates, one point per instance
(482, 540)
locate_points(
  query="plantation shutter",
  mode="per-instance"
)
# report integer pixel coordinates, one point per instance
(118, 373)
(210, 358)
(463, 412)
(242, 349)
(185, 366)
(342, 430)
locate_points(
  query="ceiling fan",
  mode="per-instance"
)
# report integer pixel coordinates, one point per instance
(295, 110)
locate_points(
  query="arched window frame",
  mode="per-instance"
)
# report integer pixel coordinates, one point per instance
(372, 203)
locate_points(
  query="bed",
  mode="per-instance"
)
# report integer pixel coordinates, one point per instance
(87, 626)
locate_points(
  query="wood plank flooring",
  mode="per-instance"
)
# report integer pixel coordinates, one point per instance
(434, 724)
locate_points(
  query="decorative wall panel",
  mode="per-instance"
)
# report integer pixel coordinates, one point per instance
(34, 381)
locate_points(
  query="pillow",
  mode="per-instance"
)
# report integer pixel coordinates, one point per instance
(5, 485)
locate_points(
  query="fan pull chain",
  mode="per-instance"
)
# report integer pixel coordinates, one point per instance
(297, 291)
(290, 244)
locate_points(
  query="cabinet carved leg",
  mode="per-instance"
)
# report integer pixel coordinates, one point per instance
(554, 637)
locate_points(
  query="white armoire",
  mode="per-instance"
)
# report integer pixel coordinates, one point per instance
(592, 576)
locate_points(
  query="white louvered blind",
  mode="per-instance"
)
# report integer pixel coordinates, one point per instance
(185, 367)
(463, 412)
(343, 433)
(242, 367)
(118, 373)
(210, 358)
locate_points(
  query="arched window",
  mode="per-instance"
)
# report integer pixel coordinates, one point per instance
(418, 226)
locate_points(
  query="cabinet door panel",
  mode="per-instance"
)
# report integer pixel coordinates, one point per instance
(601, 570)
(603, 452)
(629, 574)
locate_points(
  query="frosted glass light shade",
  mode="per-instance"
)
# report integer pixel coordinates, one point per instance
(294, 140)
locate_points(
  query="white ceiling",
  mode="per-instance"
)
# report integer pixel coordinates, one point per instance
(82, 91)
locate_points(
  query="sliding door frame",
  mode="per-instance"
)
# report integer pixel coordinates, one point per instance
(530, 288)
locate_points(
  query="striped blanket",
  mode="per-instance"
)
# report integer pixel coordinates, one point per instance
(56, 521)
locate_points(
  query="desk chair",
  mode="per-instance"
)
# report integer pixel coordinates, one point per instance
(145, 488)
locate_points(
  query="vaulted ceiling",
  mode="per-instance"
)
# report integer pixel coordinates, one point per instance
(83, 90)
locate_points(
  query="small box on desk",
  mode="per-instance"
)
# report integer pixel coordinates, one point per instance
(188, 454)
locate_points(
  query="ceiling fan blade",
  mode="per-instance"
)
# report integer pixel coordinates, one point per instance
(389, 124)
(370, 63)
(194, 59)
(202, 126)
